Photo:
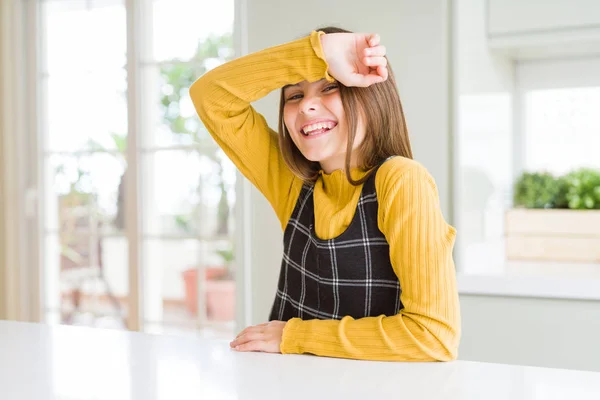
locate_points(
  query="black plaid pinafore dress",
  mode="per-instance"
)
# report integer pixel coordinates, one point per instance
(350, 275)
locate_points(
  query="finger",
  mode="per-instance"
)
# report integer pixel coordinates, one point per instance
(375, 51)
(373, 39)
(243, 332)
(360, 80)
(247, 338)
(257, 345)
(375, 61)
(382, 71)
(255, 328)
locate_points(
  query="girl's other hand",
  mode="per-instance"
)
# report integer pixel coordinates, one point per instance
(355, 59)
(264, 337)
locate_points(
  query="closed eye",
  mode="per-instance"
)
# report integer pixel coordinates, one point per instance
(294, 97)
(330, 88)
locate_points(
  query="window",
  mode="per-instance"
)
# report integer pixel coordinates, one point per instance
(526, 136)
(562, 128)
(516, 117)
(90, 91)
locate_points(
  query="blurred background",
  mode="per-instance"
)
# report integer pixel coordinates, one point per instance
(106, 118)
(118, 211)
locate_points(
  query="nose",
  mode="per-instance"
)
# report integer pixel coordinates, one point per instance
(309, 104)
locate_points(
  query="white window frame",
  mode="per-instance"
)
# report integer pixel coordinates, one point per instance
(21, 271)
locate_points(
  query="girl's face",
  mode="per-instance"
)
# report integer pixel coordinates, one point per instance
(314, 116)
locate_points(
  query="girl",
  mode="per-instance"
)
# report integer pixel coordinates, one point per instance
(367, 270)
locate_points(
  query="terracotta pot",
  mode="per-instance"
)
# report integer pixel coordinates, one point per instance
(220, 294)
(220, 300)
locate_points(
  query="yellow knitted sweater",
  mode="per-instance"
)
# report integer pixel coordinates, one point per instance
(420, 240)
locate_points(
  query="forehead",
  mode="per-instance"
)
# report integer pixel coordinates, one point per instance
(305, 85)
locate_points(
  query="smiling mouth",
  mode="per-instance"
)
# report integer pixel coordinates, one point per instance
(317, 129)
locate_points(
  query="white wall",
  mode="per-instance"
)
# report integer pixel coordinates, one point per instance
(415, 34)
(485, 154)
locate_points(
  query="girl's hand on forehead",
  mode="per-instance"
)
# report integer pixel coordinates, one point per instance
(355, 59)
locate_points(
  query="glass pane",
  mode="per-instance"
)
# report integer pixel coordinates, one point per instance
(86, 279)
(83, 35)
(85, 194)
(562, 129)
(86, 111)
(484, 179)
(171, 271)
(180, 25)
(166, 97)
(188, 193)
(84, 88)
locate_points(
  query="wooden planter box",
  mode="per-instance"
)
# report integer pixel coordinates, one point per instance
(553, 235)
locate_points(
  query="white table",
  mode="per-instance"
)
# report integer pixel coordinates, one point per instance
(39, 362)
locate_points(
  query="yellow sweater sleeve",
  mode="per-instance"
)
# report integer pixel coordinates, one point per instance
(222, 99)
(421, 242)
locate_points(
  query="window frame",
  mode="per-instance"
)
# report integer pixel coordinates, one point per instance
(26, 303)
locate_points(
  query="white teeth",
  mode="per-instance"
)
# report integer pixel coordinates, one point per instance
(320, 125)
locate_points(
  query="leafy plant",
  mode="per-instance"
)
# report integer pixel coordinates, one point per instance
(70, 205)
(119, 141)
(583, 189)
(226, 254)
(177, 78)
(579, 190)
(539, 190)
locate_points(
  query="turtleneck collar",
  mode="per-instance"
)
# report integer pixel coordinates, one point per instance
(335, 185)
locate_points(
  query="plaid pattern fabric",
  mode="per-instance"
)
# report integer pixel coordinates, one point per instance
(350, 275)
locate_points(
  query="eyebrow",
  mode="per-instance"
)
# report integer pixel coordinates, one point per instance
(289, 86)
(298, 84)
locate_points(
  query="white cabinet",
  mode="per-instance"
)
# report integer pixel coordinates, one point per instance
(526, 29)
(519, 17)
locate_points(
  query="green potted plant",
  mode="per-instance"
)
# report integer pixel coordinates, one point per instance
(555, 218)
(539, 190)
(583, 189)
